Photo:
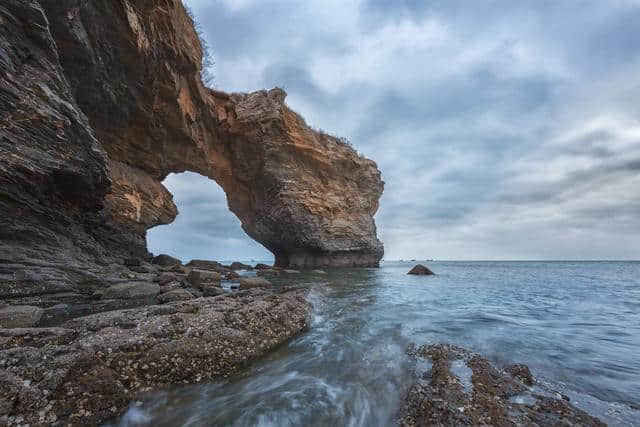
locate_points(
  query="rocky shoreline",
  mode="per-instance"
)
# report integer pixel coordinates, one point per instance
(88, 369)
(460, 388)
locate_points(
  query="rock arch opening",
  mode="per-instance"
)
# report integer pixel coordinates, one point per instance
(204, 228)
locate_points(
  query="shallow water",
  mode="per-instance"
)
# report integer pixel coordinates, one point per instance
(576, 324)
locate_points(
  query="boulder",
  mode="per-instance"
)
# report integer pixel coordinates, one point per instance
(261, 266)
(420, 270)
(253, 282)
(240, 266)
(166, 261)
(20, 316)
(131, 290)
(204, 264)
(521, 372)
(211, 289)
(176, 295)
(198, 277)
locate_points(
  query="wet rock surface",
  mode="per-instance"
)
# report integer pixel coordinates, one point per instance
(463, 388)
(90, 368)
(420, 270)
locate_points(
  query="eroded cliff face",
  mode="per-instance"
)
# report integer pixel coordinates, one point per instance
(101, 100)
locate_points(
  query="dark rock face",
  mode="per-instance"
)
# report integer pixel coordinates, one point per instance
(88, 370)
(464, 389)
(420, 270)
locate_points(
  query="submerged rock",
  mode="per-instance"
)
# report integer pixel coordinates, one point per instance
(420, 270)
(463, 389)
(88, 370)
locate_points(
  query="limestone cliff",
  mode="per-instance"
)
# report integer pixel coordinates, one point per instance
(101, 100)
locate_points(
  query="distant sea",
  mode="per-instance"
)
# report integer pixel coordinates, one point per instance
(576, 324)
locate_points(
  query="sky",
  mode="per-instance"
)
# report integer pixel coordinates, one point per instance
(503, 129)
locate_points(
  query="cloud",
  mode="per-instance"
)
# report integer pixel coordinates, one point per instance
(503, 129)
(204, 228)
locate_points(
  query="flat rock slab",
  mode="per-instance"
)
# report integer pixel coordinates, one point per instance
(89, 370)
(166, 260)
(131, 290)
(20, 316)
(463, 389)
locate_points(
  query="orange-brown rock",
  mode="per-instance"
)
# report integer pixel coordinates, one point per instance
(135, 68)
(100, 101)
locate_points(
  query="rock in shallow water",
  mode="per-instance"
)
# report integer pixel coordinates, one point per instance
(420, 270)
(464, 389)
(91, 368)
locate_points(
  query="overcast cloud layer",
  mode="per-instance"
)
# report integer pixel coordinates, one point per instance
(503, 129)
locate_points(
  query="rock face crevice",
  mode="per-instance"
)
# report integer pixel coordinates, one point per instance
(100, 101)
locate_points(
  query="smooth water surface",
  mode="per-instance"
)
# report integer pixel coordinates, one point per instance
(576, 324)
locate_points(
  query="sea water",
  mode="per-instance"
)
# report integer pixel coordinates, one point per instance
(575, 324)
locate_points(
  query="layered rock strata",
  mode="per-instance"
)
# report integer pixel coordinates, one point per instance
(100, 101)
